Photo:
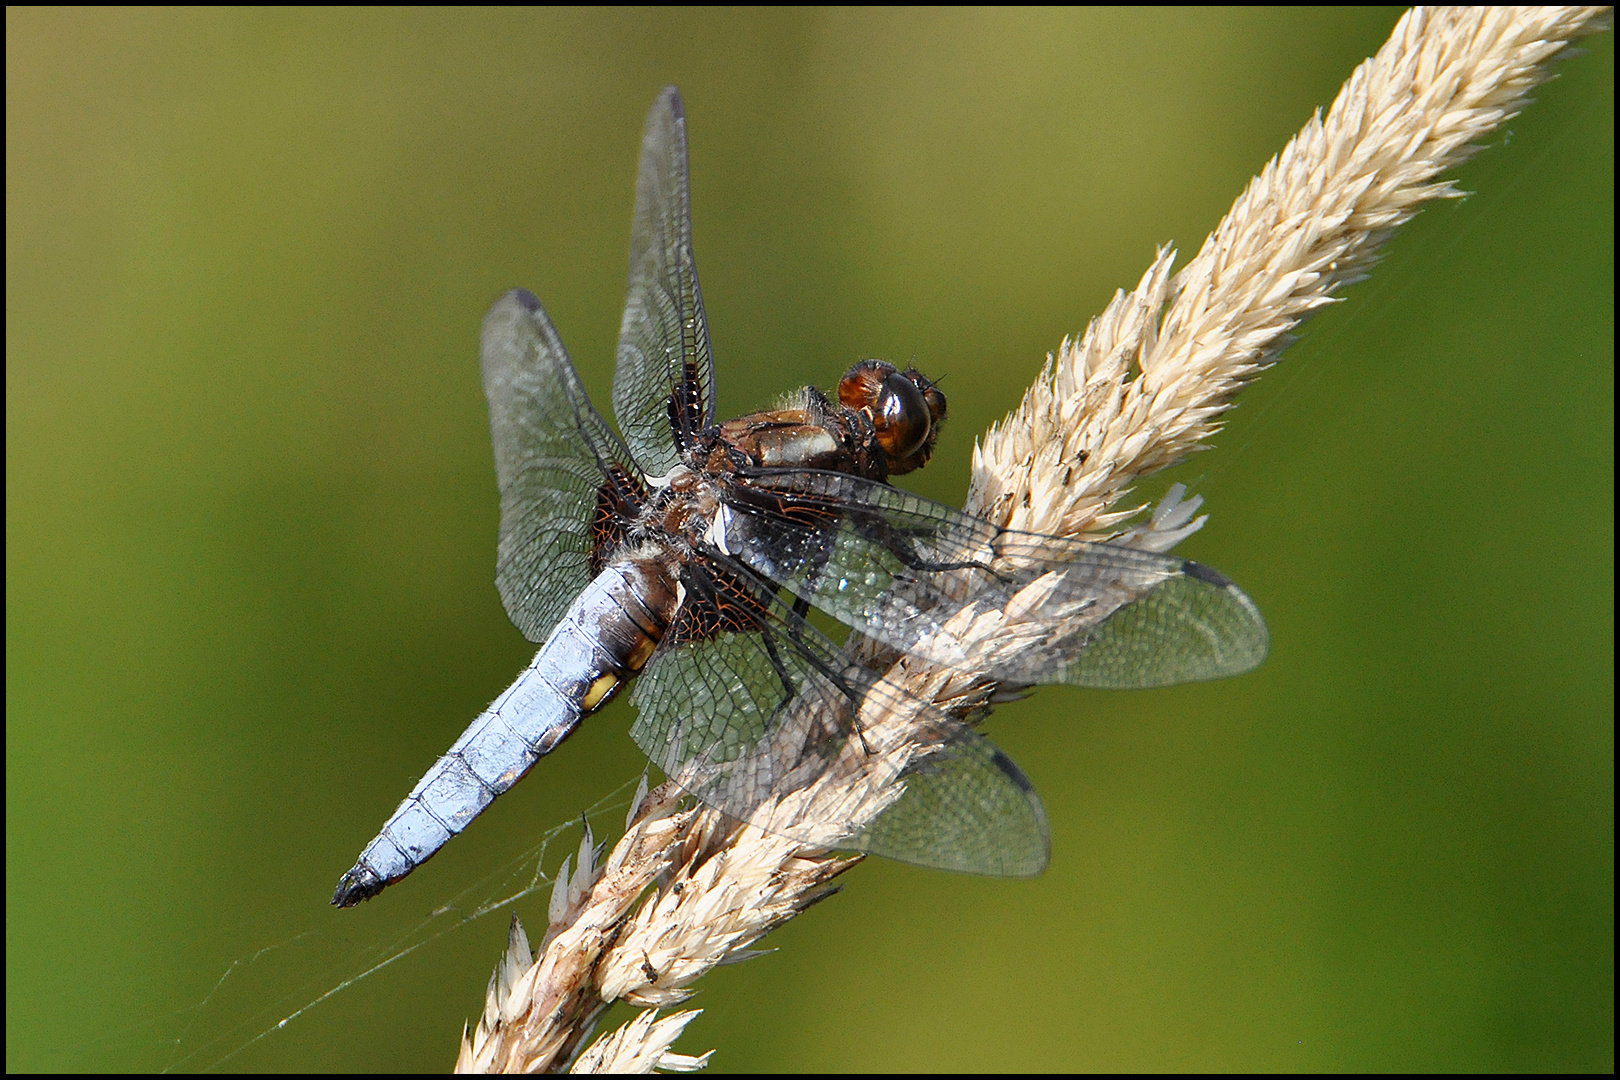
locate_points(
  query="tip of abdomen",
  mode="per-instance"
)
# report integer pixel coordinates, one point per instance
(360, 883)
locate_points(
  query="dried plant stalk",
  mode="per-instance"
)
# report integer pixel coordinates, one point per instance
(1142, 389)
(1138, 393)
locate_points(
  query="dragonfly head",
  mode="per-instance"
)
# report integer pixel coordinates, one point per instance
(905, 409)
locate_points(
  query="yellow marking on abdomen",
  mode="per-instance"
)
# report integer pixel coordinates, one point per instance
(600, 689)
(638, 655)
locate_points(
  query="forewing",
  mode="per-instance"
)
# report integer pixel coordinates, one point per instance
(776, 727)
(553, 453)
(1020, 607)
(663, 387)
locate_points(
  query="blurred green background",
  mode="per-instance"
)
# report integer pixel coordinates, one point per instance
(251, 518)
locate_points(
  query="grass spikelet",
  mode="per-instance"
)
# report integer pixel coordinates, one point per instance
(1150, 378)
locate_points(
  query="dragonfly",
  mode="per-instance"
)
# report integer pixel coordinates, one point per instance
(684, 554)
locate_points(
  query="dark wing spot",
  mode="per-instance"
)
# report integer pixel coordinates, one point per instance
(1200, 572)
(1012, 772)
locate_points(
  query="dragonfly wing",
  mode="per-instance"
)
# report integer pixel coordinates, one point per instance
(1020, 607)
(969, 809)
(553, 455)
(663, 387)
(767, 720)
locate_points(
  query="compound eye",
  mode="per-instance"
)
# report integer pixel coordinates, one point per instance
(900, 415)
(905, 409)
